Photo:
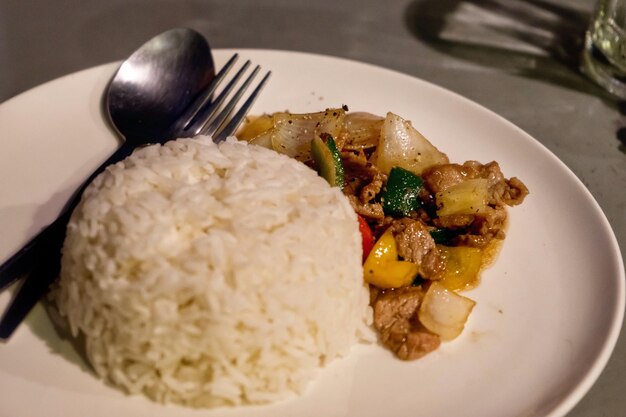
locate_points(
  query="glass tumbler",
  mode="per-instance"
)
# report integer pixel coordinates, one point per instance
(604, 54)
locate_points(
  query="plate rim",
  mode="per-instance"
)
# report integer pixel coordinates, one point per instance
(596, 367)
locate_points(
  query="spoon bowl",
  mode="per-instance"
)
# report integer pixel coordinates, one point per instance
(156, 84)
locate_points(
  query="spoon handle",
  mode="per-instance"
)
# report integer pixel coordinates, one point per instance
(40, 258)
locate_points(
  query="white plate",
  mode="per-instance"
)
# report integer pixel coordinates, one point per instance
(548, 313)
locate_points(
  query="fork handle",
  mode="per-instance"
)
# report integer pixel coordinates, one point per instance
(46, 253)
(40, 258)
(21, 262)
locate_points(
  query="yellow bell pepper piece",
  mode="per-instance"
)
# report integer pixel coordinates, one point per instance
(255, 127)
(382, 267)
(462, 266)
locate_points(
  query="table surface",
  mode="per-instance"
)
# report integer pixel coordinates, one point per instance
(528, 49)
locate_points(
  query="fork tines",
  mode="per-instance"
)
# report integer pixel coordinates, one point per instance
(213, 117)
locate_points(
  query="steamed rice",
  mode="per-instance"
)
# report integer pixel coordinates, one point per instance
(213, 275)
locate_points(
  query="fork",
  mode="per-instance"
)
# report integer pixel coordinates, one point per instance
(206, 116)
(213, 117)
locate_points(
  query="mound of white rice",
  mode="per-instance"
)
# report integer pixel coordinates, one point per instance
(213, 275)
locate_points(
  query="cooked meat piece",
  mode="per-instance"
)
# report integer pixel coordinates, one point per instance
(502, 191)
(441, 177)
(490, 171)
(415, 244)
(454, 221)
(485, 227)
(510, 192)
(491, 222)
(370, 211)
(363, 182)
(418, 343)
(395, 318)
(399, 303)
(357, 158)
(369, 191)
(475, 241)
(380, 225)
(374, 293)
(364, 179)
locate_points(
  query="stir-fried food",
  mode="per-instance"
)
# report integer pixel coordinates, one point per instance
(429, 226)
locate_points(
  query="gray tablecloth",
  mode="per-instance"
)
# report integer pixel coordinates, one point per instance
(517, 58)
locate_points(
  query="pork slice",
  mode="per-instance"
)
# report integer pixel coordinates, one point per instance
(395, 318)
(502, 191)
(363, 183)
(365, 178)
(490, 171)
(370, 190)
(439, 178)
(370, 211)
(454, 221)
(485, 227)
(415, 244)
(510, 192)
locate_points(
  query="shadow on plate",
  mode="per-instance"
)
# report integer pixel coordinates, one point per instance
(532, 38)
(46, 323)
(43, 321)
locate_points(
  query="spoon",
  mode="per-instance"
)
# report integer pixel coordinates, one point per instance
(155, 86)
(146, 97)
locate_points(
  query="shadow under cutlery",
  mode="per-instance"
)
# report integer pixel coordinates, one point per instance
(533, 39)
